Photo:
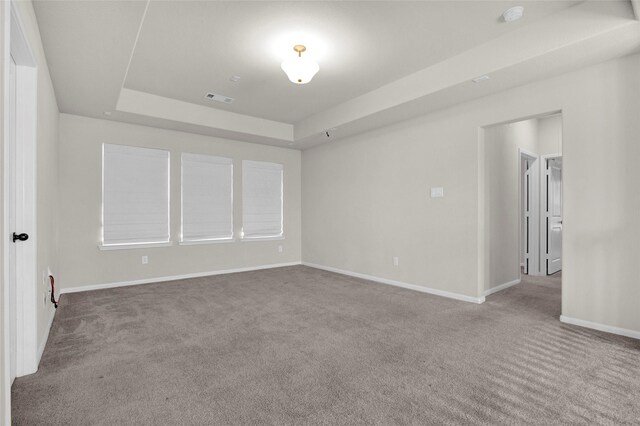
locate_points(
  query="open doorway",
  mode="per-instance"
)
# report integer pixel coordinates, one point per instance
(529, 258)
(551, 236)
(522, 196)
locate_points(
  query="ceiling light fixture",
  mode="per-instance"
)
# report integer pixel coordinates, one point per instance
(300, 70)
(513, 14)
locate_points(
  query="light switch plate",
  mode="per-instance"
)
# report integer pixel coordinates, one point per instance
(437, 192)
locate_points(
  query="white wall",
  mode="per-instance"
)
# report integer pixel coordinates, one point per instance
(47, 166)
(366, 197)
(502, 166)
(46, 175)
(80, 156)
(550, 135)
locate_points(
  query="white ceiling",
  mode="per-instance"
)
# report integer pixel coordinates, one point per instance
(152, 63)
(185, 50)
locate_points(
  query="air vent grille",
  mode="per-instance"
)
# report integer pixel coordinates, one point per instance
(218, 98)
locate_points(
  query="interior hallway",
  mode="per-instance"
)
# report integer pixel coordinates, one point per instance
(305, 346)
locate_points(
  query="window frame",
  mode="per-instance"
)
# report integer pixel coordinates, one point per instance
(138, 244)
(186, 242)
(281, 236)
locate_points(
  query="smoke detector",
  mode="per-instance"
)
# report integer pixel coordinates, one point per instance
(218, 98)
(513, 14)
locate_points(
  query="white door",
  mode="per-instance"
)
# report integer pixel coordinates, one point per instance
(527, 217)
(19, 206)
(11, 220)
(554, 215)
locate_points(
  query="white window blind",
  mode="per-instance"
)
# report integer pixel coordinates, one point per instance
(135, 195)
(207, 197)
(261, 199)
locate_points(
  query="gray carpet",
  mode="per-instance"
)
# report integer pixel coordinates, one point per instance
(301, 346)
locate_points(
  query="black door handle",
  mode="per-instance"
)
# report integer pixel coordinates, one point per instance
(21, 237)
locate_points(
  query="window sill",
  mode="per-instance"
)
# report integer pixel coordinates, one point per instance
(134, 246)
(197, 242)
(246, 240)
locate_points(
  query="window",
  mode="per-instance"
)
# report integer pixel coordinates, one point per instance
(207, 198)
(261, 200)
(135, 195)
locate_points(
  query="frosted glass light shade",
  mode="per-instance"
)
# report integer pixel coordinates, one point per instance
(300, 70)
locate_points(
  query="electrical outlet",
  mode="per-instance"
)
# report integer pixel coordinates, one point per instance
(437, 192)
(396, 261)
(145, 260)
(45, 278)
(279, 249)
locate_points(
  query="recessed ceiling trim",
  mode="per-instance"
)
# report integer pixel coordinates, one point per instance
(135, 42)
(146, 104)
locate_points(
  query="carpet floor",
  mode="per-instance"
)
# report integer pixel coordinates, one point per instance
(298, 345)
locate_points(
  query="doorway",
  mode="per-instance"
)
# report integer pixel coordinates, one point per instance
(528, 212)
(551, 236)
(521, 193)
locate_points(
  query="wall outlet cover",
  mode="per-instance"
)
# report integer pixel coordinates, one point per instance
(437, 192)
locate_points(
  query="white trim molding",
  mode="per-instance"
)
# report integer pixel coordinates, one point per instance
(252, 239)
(436, 292)
(5, 39)
(535, 261)
(600, 327)
(200, 242)
(173, 278)
(501, 287)
(134, 245)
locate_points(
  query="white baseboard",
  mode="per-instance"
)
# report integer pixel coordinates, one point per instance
(600, 327)
(172, 278)
(501, 287)
(421, 289)
(45, 338)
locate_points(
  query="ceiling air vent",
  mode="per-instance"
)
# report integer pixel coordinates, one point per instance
(218, 98)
